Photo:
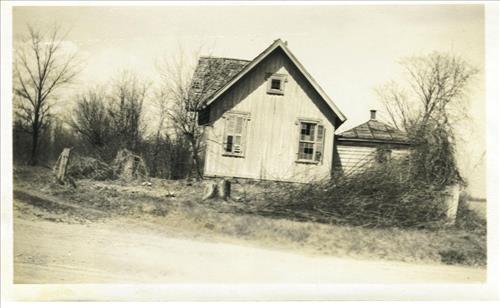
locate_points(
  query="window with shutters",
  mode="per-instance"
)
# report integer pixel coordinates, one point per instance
(311, 142)
(234, 134)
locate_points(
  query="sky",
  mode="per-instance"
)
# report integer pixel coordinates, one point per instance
(348, 49)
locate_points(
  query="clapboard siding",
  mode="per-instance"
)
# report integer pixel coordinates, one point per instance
(399, 153)
(353, 158)
(273, 129)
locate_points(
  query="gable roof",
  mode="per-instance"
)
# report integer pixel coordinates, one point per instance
(213, 95)
(374, 131)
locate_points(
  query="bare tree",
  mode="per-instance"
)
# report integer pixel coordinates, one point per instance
(427, 108)
(91, 121)
(181, 98)
(435, 90)
(110, 119)
(41, 67)
(127, 97)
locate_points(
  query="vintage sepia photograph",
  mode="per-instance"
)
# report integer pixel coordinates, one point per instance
(244, 144)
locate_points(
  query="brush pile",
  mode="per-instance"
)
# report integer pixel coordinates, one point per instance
(84, 167)
(380, 196)
(126, 166)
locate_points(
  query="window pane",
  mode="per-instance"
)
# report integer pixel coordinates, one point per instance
(276, 84)
(229, 144)
(307, 131)
(306, 150)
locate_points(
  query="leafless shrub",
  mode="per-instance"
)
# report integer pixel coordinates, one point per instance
(127, 97)
(111, 118)
(92, 122)
(167, 156)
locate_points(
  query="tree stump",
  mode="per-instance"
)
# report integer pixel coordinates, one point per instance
(224, 189)
(210, 191)
(221, 190)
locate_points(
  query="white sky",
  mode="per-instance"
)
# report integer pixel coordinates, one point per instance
(349, 50)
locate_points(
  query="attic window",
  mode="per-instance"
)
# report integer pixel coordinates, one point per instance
(276, 84)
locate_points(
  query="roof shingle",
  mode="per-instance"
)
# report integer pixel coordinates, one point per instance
(213, 73)
(374, 130)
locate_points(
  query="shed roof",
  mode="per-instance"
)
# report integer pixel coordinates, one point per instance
(232, 76)
(374, 131)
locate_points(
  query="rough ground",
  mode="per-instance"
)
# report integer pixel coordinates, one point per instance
(50, 248)
(116, 231)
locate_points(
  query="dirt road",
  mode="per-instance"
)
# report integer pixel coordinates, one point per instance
(123, 251)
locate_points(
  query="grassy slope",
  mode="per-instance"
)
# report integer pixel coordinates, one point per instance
(223, 220)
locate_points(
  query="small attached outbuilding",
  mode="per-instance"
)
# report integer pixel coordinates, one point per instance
(369, 143)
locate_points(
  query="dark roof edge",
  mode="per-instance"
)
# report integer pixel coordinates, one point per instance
(339, 138)
(226, 58)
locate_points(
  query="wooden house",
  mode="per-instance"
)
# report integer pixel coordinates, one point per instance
(266, 119)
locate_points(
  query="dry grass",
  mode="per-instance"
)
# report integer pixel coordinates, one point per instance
(179, 205)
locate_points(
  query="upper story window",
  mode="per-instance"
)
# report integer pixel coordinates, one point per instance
(235, 133)
(311, 141)
(276, 84)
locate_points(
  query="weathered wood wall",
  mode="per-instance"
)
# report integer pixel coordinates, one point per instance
(352, 157)
(272, 138)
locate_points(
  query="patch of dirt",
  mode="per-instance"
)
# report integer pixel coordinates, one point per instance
(54, 209)
(124, 251)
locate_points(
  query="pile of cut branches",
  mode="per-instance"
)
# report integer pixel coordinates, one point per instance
(84, 167)
(380, 196)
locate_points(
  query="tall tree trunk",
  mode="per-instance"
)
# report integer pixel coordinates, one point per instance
(196, 158)
(34, 148)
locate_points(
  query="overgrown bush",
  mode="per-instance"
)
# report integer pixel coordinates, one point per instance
(384, 195)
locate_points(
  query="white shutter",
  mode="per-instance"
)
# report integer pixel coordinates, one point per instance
(236, 130)
(228, 133)
(319, 144)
